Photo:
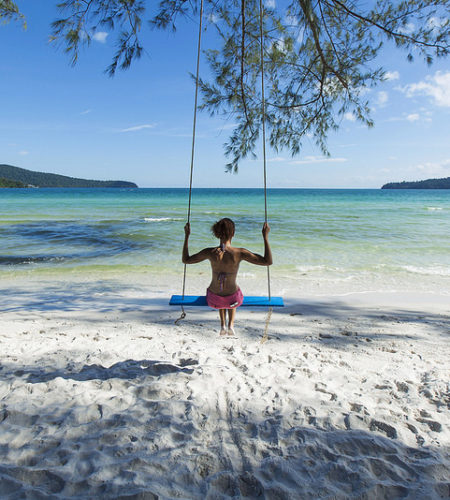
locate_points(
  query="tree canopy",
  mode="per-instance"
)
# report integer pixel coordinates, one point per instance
(319, 55)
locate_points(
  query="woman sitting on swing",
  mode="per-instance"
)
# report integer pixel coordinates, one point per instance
(223, 292)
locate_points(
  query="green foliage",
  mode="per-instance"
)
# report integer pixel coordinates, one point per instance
(9, 11)
(319, 56)
(43, 179)
(85, 17)
(319, 61)
(7, 183)
(427, 184)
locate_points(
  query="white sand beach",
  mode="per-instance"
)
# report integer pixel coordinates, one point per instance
(102, 396)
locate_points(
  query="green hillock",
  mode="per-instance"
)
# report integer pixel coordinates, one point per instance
(426, 184)
(47, 180)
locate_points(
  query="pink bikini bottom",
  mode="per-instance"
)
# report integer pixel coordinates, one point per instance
(226, 302)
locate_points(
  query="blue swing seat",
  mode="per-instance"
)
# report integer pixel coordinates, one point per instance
(250, 301)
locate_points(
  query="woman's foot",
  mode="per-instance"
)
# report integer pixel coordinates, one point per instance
(223, 332)
(231, 332)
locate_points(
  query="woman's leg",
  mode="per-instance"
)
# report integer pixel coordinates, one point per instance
(223, 321)
(231, 317)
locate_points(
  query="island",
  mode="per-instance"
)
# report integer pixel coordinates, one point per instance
(15, 177)
(426, 184)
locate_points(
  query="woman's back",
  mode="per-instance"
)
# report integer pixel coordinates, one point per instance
(225, 266)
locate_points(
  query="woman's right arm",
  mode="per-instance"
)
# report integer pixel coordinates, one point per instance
(255, 258)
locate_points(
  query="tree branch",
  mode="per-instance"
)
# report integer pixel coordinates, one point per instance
(394, 34)
(244, 104)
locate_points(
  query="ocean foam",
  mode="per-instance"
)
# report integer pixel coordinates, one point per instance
(432, 271)
(307, 269)
(320, 268)
(161, 219)
(246, 275)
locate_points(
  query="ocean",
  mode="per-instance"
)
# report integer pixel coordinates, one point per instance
(323, 240)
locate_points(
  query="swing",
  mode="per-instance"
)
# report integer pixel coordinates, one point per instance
(249, 301)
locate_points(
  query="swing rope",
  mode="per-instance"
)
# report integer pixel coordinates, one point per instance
(194, 124)
(263, 118)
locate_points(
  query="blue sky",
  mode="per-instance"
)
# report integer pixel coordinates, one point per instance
(137, 126)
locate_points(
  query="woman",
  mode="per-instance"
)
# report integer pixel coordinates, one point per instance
(223, 292)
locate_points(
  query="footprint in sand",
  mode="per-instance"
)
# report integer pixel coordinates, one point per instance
(376, 425)
(320, 387)
(432, 424)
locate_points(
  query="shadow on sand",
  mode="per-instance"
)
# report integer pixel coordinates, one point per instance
(135, 431)
(128, 302)
(159, 446)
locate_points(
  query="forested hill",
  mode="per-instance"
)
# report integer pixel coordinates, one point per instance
(45, 180)
(427, 184)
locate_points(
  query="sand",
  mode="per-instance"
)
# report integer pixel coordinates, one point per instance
(102, 396)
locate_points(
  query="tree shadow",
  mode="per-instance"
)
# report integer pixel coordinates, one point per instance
(165, 446)
(339, 323)
(128, 370)
(103, 297)
(333, 318)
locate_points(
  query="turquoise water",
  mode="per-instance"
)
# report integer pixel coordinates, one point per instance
(357, 237)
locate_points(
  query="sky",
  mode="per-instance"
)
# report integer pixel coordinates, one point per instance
(137, 126)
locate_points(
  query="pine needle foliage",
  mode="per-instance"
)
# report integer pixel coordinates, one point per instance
(9, 11)
(319, 56)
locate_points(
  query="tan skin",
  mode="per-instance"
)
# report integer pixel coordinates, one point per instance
(226, 259)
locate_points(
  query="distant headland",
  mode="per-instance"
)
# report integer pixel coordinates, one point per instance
(15, 177)
(427, 184)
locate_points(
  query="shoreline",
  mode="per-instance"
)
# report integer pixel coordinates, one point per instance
(103, 396)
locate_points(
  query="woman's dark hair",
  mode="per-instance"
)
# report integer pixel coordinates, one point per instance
(223, 229)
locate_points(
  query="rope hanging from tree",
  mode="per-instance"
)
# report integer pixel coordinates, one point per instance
(263, 119)
(194, 124)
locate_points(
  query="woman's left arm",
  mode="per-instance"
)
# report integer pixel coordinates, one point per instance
(197, 257)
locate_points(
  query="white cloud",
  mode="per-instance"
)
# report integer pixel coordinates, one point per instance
(413, 117)
(332, 85)
(362, 91)
(138, 127)
(279, 45)
(382, 98)
(291, 20)
(317, 159)
(437, 87)
(100, 36)
(301, 35)
(86, 111)
(277, 159)
(213, 18)
(415, 172)
(434, 169)
(392, 75)
(349, 116)
(437, 22)
(227, 126)
(24, 153)
(270, 4)
(407, 29)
